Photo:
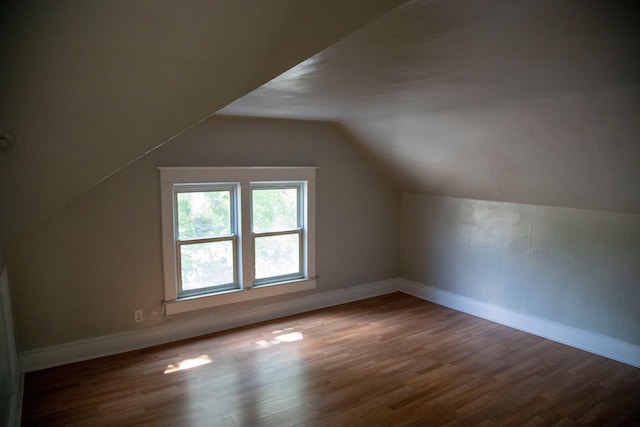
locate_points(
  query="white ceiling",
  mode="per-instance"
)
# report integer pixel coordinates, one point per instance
(88, 87)
(525, 101)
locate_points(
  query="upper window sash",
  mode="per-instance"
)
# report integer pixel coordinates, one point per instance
(298, 186)
(232, 188)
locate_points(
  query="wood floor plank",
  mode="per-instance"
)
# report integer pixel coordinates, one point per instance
(393, 360)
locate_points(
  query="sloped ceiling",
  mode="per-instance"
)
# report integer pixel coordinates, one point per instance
(87, 87)
(531, 101)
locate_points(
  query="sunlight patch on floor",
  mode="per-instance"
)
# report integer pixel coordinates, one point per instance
(288, 337)
(188, 364)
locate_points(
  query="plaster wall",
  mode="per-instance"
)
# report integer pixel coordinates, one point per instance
(572, 266)
(83, 271)
(579, 150)
(89, 86)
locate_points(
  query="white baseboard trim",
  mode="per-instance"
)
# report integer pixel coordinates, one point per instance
(91, 348)
(107, 345)
(579, 338)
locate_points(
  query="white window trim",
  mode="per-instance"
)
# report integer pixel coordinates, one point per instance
(233, 237)
(169, 176)
(300, 186)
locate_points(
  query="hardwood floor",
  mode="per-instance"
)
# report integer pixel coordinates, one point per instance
(393, 360)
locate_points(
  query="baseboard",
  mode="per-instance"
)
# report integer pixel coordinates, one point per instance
(579, 338)
(107, 345)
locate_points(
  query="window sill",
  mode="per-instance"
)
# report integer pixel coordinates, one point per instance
(237, 295)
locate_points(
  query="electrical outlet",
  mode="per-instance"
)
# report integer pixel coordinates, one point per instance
(138, 316)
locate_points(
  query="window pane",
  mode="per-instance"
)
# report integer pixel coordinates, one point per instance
(274, 209)
(204, 214)
(277, 255)
(206, 264)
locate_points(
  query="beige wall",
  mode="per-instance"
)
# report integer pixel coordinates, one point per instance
(89, 86)
(83, 271)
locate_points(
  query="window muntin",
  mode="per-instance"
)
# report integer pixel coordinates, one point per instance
(206, 238)
(277, 231)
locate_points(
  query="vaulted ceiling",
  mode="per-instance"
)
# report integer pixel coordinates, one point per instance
(87, 87)
(532, 101)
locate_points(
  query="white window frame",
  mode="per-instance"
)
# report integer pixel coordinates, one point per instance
(300, 186)
(243, 177)
(233, 189)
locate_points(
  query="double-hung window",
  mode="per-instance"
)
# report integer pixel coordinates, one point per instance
(206, 238)
(235, 234)
(277, 231)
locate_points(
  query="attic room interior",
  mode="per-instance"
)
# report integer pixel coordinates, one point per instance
(466, 220)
